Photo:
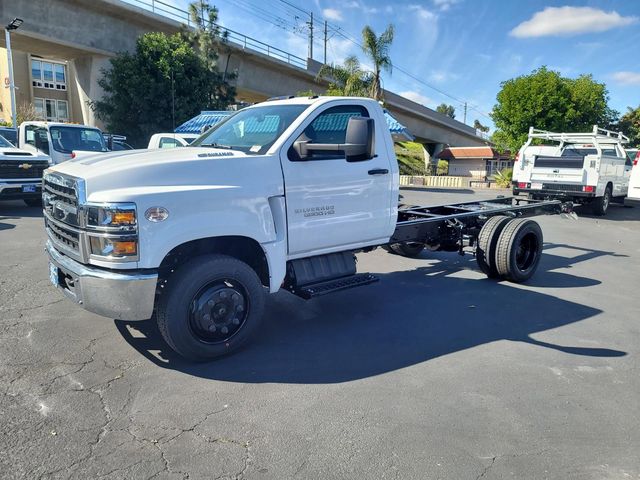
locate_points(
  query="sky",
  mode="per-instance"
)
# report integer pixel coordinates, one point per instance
(456, 51)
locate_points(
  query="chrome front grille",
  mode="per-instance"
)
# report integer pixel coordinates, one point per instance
(60, 189)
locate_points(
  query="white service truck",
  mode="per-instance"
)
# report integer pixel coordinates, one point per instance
(171, 140)
(282, 194)
(588, 168)
(59, 140)
(633, 197)
(21, 174)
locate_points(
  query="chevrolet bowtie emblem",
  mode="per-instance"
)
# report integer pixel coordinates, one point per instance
(25, 166)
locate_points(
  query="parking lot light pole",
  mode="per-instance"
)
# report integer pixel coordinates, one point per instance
(13, 25)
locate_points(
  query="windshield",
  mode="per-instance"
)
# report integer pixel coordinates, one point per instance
(252, 130)
(67, 139)
(4, 143)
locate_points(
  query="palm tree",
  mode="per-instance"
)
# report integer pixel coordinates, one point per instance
(377, 49)
(348, 79)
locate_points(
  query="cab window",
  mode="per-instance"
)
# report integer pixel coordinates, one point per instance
(168, 142)
(331, 127)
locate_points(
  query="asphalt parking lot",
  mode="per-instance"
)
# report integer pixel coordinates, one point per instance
(433, 372)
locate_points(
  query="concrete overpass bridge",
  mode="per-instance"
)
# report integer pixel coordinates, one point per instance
(87, 33)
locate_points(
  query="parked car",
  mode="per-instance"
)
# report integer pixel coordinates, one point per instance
(588, 168)
(21, 174)
(633, 198)
(171, 140)
(60, 140)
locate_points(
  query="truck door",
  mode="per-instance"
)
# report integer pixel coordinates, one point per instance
(333, 204)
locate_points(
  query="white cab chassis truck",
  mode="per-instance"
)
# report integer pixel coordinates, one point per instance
(589, 168)
(633, 198)
(280, 195)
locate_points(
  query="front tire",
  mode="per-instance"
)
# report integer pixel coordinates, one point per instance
(407, 249)
(211, 307)
(601, 204)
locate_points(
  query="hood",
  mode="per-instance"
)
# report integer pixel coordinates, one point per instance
(17, 154)
(184, 166)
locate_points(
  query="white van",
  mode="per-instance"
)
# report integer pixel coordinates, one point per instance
(587, 168)
(59, 140)
(633, 197)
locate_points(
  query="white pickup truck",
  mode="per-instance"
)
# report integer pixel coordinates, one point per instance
(589, 168)
(60, 140)
(279, 195)
(21, 174)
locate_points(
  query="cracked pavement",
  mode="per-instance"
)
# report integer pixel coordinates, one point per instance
(434, 372)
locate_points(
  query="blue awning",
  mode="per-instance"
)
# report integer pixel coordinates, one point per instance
(207, 119)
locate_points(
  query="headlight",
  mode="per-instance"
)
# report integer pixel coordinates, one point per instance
(120, 216)
(114, 246)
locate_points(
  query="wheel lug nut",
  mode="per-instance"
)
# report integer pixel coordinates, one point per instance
(236, 321)
(212, 328)
(210, 303)
(235, 297)
(239, 308)
(206, 317)
(224, 330)
(223, 294)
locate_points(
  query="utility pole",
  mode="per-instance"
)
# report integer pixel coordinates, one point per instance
(325, 42)
(311, 36)
(14, 25)
(465, 113)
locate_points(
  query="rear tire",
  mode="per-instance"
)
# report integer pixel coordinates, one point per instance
(519, 250)
(487, 242)
(601, 204)
(211, 307)
(407, 249)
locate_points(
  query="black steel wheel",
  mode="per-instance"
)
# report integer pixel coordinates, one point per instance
(487, 243)
(519, 250)
(211, 306)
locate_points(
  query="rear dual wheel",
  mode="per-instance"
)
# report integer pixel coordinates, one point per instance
(509, 249)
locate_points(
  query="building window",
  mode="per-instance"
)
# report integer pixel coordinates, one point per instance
(48, 75)
(51, 110)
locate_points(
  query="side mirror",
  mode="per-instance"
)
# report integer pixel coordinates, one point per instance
(358, 146)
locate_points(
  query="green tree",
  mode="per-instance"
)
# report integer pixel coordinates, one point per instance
(163, 83)
(448, 110)
(629, 124)
(546, 100)
(348, 79)
(377, 49)
(479, 126)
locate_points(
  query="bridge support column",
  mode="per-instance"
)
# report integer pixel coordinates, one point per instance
(85, 72)
(431, 152)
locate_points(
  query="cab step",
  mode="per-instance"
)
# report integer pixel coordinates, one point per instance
(330, 286)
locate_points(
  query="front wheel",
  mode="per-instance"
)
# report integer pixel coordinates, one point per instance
(211, 307)
(601, 204)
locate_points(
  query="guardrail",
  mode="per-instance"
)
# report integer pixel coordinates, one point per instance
(244, 41)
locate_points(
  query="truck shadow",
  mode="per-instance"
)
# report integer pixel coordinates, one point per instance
(616, 212)
(407, 318)
(17, 209)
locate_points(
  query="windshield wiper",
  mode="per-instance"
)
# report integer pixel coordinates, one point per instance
(217, 145)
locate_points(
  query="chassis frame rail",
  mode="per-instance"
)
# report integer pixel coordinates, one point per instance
(446, 224)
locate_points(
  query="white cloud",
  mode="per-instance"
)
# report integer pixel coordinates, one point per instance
(416, 97)
(627, 78)
(567, 21)
(422, 12)
(439, 76)
(444, 5)
(339, 49)
(332, 14)
(360, 5)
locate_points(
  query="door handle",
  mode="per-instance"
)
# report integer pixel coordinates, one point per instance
(378, 171)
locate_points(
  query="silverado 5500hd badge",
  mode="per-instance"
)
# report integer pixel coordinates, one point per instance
(316, 211)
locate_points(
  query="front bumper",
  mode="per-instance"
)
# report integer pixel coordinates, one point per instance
(114, 294)
(13, 189)
(632, 202)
